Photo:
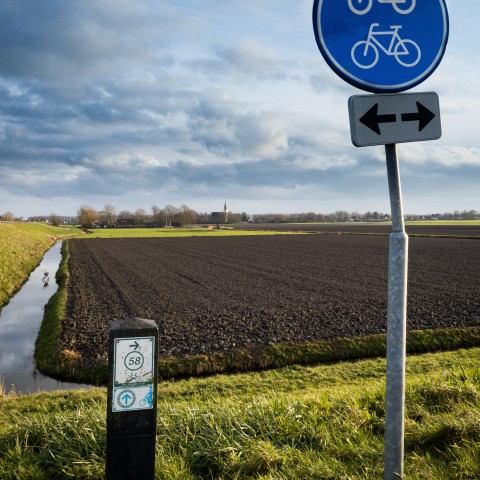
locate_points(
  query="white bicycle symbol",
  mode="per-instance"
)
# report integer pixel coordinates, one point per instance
(356, 7)
(365, 53)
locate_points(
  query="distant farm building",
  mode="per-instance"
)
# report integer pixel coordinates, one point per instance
(126, 222)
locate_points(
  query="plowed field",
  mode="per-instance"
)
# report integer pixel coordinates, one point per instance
(218, 294)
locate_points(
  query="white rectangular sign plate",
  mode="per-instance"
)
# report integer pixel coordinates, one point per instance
(133, 361)
(394, 118)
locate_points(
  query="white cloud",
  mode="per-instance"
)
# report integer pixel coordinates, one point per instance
(447, 156)
(123, 101)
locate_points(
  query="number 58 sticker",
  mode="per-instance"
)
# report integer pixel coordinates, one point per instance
(133, 361)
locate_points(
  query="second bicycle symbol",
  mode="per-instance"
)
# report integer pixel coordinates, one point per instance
(361, 7)
(365, 53)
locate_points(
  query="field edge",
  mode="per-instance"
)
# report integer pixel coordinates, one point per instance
(66, 365)
(49, 359)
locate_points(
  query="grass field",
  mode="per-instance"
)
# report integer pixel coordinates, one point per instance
(22, 246)
(176, 232)
(317, 422)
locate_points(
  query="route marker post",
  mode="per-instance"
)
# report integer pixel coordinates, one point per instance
(132, 400)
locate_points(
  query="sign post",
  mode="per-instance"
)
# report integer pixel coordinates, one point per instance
(132, 399)
(396, 325)
(385, 47)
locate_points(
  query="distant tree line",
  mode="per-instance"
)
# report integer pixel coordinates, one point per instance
(168, 216)
(171, 215)
(344, 216)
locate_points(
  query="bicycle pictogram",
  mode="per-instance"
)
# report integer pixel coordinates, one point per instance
(361, 7)
(365, 53)
(147, 400)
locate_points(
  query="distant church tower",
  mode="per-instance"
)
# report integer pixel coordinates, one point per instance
(225, 212)
(220, 217)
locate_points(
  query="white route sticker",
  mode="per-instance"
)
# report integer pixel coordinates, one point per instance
(133, 362)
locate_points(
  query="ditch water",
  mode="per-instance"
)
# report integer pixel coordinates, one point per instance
(19, 324)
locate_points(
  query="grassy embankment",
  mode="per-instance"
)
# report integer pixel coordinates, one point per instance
(22, 246)
(322, 422)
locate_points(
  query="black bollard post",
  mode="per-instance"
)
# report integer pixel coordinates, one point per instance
(132, 400)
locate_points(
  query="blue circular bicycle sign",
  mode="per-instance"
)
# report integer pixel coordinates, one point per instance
(381, 46)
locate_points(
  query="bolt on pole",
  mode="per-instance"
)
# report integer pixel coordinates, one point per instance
(396, 325)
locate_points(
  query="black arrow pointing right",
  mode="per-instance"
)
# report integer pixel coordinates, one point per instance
(423, 116)
(135, 345)
(372, 119)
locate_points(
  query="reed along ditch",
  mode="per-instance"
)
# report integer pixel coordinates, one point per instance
(20, 321)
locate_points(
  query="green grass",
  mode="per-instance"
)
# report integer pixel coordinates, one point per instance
(22, 246)
(178, 232)
(297, 422)
(317, 422)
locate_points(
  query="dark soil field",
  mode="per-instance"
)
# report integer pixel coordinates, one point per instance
(218, 294)
(432, 229)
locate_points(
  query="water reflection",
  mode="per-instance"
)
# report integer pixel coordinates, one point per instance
(19, 324)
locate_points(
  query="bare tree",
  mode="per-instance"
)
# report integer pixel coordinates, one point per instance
(187, 214)
(170, 212)
(87, 215)
(140, 215)
(342, 215)
(156, 213)
(110, 213)
(125, 214)
(55, 220)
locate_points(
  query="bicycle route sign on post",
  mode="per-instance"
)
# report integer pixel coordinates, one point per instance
(386, 47)
(381, 46)
(133, 374)
(132, 399)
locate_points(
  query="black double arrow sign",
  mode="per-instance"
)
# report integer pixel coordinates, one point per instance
(372, 119)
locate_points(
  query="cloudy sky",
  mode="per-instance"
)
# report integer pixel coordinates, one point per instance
(152, 102)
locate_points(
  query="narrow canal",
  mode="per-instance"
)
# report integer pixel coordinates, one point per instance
(19, 324)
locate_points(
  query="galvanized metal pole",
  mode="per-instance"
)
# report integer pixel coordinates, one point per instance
(396, 325)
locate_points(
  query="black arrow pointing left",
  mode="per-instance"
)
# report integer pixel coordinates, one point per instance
(372, 119)
(423, 116)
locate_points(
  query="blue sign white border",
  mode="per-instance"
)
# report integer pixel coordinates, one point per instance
(368, 86)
